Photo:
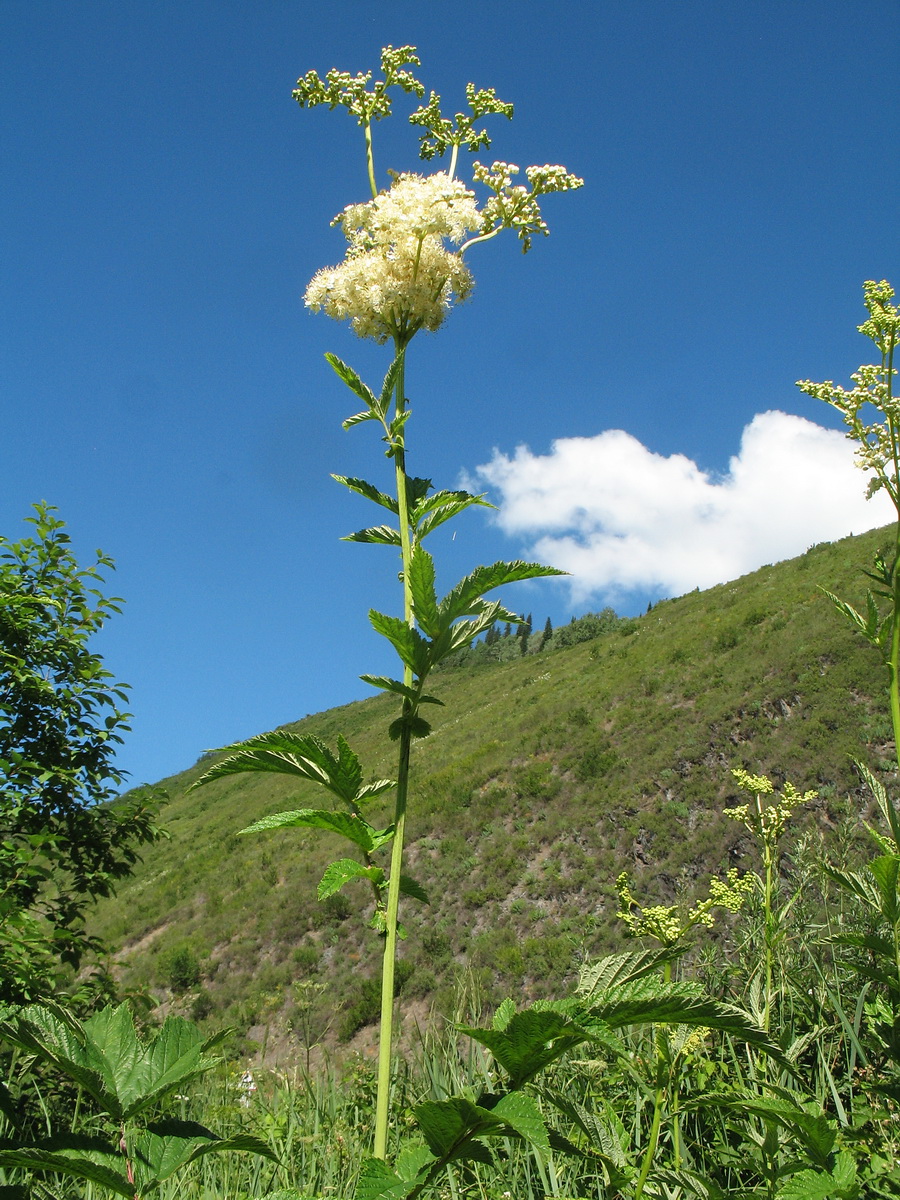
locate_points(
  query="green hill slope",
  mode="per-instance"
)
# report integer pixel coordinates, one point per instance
(545, 777)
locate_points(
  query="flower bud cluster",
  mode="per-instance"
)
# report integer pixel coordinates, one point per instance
(667, 924)
(767, 821)
(440, 131)
(878, 448)
(513, 206)
(341, 89)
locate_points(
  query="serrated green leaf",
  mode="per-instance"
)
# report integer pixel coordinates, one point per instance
(810, 1185)
(409, 887)
(379, 535)
(376, 788)
(603, 1138)
(438, 514)
(885, 870)
(424, 597)
(522, 1114)
(355, 829)
(389, 384)
(531, 1041)
(855, 619)
(165, 1146)
(362, 488)
(504, 1014)
(378, 1181)
(853, 881)
(341, 872)
(888, 810)
(446, 1124)
(412, 1159)
(459, 602)
(425, 504)
(387, 684)
(348, 376)
(83, 1158)
(813, 1130)
(614, 970)
(413, 649)
(55, 1037)
(307, 757)
(357, 419)
(649, 1002)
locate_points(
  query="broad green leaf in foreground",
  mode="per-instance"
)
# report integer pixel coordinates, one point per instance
(82, 1157)
(530, 1041)
(162, 1148)
(617, 969)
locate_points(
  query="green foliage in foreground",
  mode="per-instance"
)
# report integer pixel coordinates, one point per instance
(126, 1079)
(544, 778)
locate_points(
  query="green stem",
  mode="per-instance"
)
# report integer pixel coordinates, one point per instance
(382, 1102)
(653, 1142)
(370, 158)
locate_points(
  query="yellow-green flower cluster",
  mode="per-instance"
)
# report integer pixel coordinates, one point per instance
(667, 924)
(398, 276)
(341, 89)
(766, 820)
(877, 441)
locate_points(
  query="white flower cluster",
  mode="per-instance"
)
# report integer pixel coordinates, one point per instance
(398, 276)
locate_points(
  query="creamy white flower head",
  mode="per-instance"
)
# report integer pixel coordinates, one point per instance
(416, 206)
(398, 276)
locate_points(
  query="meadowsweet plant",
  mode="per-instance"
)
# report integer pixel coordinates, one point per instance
(405, 266)
(871, 413)
(767, 819)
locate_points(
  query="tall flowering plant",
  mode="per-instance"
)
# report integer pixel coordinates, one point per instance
(404, 268)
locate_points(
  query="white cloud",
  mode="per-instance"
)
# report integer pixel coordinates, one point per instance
(620, 518)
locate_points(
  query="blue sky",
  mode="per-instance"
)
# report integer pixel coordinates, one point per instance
(165, 203)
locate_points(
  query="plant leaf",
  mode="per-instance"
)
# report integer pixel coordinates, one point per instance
(418, 727)
(52, 1034)
(165, 1146)
(531, 1040)
(348, 376)
(522, 1114)
(380, 535)
(446, 1124)
(886, 872)
(73, 1154)
(413, 649)
(815, 1132)
(306, 757)
(354, 828)
(409, 887)
(376, 1180)
(362, 488)
(460, 601)
(616, 969)
(400, 689)
(341, 872)
(424, 597)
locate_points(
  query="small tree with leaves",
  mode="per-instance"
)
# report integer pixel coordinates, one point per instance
(63, 843)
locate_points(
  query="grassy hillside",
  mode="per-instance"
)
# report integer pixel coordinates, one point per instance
(545, 777)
